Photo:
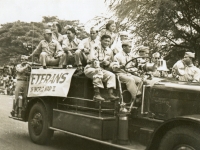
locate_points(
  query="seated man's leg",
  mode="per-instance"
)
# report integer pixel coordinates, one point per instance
(43, 57)
(97, 82)
(138, 82)
(130, 83)
(63, 60)
(70, 58)
(110, 80)
(80, 58)
(48, 60)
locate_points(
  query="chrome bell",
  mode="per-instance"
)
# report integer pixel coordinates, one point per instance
(162, 66)
(150, 67)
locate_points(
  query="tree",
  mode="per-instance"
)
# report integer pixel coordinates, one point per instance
(169, 26)
(22, 38)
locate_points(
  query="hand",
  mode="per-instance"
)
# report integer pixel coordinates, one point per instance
(86, 51)
(105, 63)
(58, 54)
(27, 65)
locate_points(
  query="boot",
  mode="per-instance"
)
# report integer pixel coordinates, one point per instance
(19, 112)
(97, 96)
(111, 97)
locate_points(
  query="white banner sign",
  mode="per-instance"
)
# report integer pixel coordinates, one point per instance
(50, 82)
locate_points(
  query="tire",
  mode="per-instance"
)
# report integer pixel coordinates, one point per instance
(181, 138)
(38, 124)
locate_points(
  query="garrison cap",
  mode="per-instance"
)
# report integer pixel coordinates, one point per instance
(123, 33)
(190, 54)
(143, 49)
(126, 43)
(156, 54)
(47, 31)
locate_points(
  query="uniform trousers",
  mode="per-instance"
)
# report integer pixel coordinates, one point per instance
(21, 86)
(131, 82)
(108, 77)
(80, 58)
(49, 60)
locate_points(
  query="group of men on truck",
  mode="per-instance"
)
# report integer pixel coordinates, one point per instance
(101, 57)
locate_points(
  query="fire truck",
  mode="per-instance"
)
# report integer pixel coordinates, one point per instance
(166, 117)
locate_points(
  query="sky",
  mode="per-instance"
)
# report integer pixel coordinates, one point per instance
(33, 10)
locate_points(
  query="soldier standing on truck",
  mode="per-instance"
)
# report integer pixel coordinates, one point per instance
(51, 51)
(103, 55)
(22, 72)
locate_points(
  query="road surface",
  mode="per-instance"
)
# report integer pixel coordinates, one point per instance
(14, 135)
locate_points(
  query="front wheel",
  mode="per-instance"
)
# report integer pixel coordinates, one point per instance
(38, 124)
(181, 138)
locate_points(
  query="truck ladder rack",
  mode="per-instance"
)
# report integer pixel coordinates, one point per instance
(83, 105)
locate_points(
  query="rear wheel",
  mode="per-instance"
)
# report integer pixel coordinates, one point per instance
(38, 124)
(181, 138)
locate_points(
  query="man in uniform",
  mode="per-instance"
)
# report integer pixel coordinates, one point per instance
(117, 46)
(84, 49)
(22, 72)
(130, 80)
(101, 58)
(70, 45)
(155, 59)
(185, 70)
(51, 51)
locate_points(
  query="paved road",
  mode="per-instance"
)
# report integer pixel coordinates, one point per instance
(14, 135)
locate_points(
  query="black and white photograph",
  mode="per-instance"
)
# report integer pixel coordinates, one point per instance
(100, 75)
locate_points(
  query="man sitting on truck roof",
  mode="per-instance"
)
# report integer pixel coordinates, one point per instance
(51, 51)
(100, 58)
(185, 70)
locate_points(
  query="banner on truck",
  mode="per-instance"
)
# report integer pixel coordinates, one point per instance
(50, 82)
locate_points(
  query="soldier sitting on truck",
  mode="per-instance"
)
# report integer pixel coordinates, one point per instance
(84, 48)
(51, 51)
(99, 59)
(184, 70)
(22, 71)
(130, 80)
(70, 45)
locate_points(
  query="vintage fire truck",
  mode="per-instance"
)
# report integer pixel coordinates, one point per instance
(167, 116)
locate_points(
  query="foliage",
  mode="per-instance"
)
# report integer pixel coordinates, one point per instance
(169, 26)
(21, 38)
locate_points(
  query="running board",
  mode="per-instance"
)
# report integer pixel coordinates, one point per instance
(132, 146)
(16, 118)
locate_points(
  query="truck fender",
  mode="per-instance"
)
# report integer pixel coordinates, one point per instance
(47, 105)
(190, 120)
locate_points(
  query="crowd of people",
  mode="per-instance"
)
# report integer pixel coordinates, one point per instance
(104, 56)
(8, 80)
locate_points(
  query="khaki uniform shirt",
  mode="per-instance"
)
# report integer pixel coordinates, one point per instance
(50, 48)
(70, 44)
(58, 38)
(21, 72)
(122, 58)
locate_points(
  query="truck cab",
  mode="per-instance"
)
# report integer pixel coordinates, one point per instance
(166, 115)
